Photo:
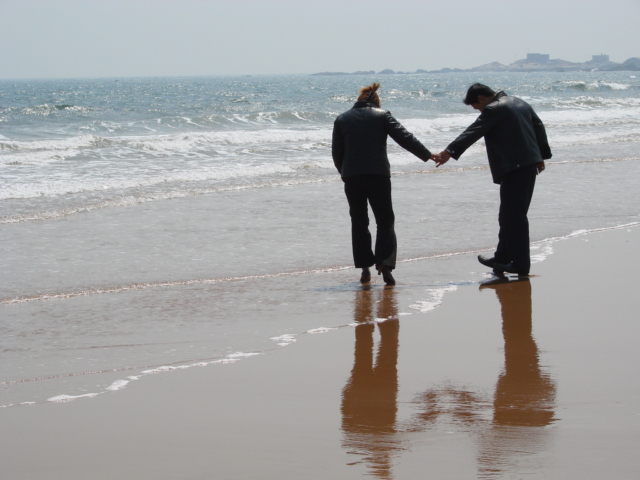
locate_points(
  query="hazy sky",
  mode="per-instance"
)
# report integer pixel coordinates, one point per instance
(116, 38)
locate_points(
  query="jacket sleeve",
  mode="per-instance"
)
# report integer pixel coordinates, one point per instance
(337, 146)
(541, 136)
(405, 139)
(474, 132)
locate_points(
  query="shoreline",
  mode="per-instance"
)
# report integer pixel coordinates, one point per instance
(533, 377)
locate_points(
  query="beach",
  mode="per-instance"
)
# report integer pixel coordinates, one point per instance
(178, 298)
(535, 378)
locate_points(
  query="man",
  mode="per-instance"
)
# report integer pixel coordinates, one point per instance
(517, 146)
(359, 151)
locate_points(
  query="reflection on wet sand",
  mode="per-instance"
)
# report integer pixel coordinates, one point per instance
(525, 396)
(369, 397)
(509, 428)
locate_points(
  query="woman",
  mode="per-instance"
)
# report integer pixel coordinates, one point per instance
(359, 150)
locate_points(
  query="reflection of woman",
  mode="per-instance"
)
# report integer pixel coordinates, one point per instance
(359, 150)
(369, 397)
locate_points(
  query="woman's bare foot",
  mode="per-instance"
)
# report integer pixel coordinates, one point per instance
(366, 276)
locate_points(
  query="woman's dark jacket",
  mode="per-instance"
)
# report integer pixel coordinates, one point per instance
(513, 134)
(359, 145)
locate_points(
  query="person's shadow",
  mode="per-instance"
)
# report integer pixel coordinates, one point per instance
(369, 397)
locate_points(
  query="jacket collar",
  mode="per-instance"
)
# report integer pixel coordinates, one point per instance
(363, 103)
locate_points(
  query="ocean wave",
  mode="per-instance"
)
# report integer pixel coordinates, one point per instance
(45, 110)
(178, 142)
(588, 115)
(587, 102)
(123, 181)
(582, 85)
(603, 137)
(139, 197)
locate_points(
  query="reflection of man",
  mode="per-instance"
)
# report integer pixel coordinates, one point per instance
(517, 146)
(524, 396)
(523, 401)
(369, 397)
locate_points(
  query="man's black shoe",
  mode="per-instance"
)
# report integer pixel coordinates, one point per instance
(509, 268)
(487, 262)
(491, 263)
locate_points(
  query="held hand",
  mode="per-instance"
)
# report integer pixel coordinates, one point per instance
(435, 157)
(444, 157)
(540, 167)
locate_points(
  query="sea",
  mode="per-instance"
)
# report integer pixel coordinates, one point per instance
(148, 225)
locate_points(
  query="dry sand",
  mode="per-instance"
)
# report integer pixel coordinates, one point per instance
(527, 379)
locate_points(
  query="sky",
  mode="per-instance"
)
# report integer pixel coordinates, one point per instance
(137, 38)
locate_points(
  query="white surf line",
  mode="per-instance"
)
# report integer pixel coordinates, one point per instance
(128, 200)
(439, 255)
(145, 286)
(435, 299)
(546, 245)
(122, 383)
(486, 167)
(594, 160)
(433, 171)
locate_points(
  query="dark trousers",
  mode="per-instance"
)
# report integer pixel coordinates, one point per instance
(516, 191)
(374, 190)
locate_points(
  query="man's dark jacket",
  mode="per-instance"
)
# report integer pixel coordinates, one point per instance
(514, 136)
(359, 145)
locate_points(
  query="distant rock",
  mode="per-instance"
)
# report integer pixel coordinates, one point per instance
(329, 73)
(635, 61)
(360, 72)
(533, 63)
(446, 70)
(490, 67)
(632, 64)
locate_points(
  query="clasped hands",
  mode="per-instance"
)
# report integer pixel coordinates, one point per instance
(440, 158)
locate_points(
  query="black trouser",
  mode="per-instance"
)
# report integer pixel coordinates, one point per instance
(376, 190)
(516, 191)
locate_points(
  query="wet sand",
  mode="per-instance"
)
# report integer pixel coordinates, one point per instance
(521, 379)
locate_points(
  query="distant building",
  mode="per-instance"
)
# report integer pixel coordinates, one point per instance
(599, 58)
(540, 58)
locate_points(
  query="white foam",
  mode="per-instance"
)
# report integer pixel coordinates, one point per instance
(546, 246)
(435, 297)
(320, 330)
(163, 369)
(48, 187)
(69, 398)
(543, 250)
(226, 360)
(117, 385)
(242, 355)
(381, 320)
(284, 340)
